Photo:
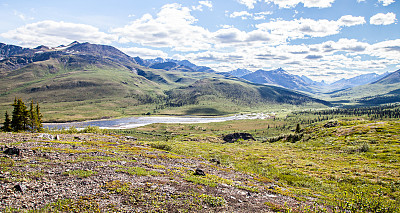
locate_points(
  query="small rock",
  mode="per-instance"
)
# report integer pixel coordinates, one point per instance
(19, 187)
(130, 138)
(13, 151)
(199, 172)
(213, 160)
(46, 136)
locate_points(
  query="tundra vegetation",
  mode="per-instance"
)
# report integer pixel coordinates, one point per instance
(343, 160)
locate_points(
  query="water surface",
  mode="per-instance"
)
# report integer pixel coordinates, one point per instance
(133, 122)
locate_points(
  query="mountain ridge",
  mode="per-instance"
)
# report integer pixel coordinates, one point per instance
(107, 83)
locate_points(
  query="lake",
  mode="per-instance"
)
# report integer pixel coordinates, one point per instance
(133, 122)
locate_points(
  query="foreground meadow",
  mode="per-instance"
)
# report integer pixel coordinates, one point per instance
(343, 165)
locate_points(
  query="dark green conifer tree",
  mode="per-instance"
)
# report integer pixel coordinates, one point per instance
(39, 125)
(298, 129)
(32, 117)
(7, 123)
(20, 116)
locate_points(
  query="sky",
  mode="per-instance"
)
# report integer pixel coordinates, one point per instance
(321, 39)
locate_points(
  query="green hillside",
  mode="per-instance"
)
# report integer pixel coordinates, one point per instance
(382, 91)
(86, 81)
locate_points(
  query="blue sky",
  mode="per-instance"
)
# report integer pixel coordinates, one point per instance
(322, 39)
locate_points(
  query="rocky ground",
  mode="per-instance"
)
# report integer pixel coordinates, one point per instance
(111, 173)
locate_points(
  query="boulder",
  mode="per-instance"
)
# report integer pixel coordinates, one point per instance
(20, 188)
(199, 172)
(231, 138)
(13, 151)
(331, 124)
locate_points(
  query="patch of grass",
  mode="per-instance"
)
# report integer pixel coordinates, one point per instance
(80, 173)
(138, 171)
(83, 204)
(161, 146)
(212, 200)
(151, 200)
(200, 180)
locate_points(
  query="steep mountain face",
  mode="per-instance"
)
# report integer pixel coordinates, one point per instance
(102, 51)
(278, 77)
(392, 78)
(383, 91)
(168, 64)
(240, 72)
(77, 72)
(356, 81)
(11, 50)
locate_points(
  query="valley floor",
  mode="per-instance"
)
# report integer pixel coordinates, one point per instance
(102, 173)
(348, 164)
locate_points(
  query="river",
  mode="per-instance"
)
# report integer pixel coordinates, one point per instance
(133, 122)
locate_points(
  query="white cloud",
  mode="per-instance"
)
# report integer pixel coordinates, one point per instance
(386, 2)
(201, 4)
(361, 1)
(291, 3)
(349, 20)
(144, 52)
(306, 3)
(242, 14)
(52, 33)
(386, 49)
(262, 15)
(304, 28)
(245, 15)
(249, 3)
(206, 3)
(173, 27)
(383, 19)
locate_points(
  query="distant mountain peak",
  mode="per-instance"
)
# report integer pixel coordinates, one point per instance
(74, 43)
(239, 72)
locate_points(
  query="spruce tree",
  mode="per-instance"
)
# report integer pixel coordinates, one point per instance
(298, 129)
(39, 117)
(16, 123)
(7, 123)
(20, 116)
(32, 118)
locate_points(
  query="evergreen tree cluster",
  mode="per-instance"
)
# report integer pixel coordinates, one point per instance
(22, 118)
(373, 112)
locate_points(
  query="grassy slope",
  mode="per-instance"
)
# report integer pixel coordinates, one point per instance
(85, 90)
(354, 165)
(353, 95)
(77, 88)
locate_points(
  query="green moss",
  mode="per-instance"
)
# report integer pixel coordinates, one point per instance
(139, 171)
(80, 173)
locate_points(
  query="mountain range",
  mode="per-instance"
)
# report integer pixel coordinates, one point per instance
(282, 78)
(83, 81)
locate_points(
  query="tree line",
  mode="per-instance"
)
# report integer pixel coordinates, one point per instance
(23, 119)
(373, 112)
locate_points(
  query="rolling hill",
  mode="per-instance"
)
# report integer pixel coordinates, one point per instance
(84, 81)
(383, 91)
